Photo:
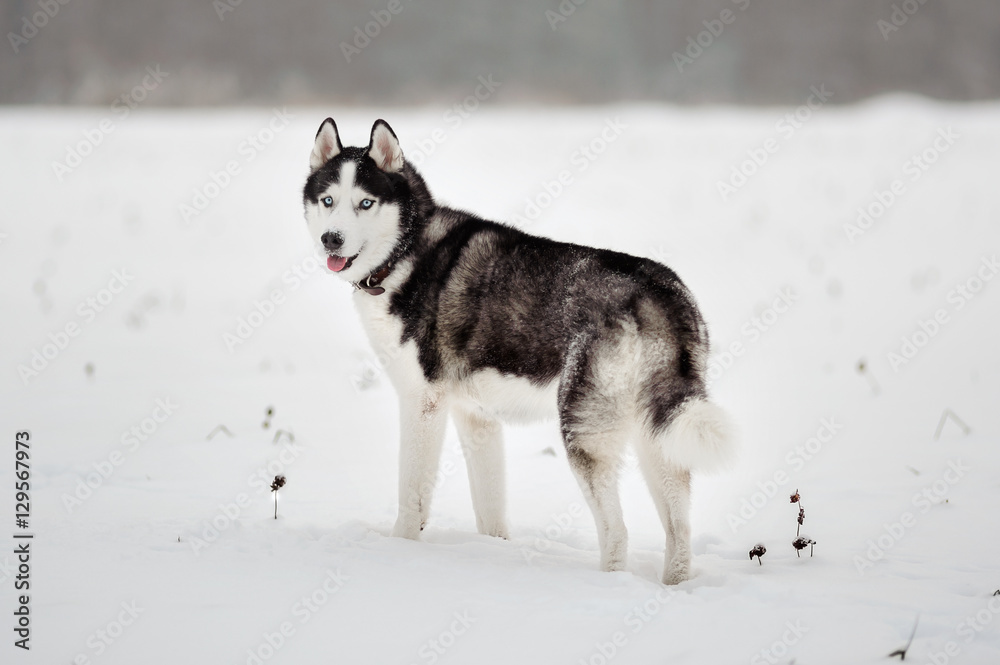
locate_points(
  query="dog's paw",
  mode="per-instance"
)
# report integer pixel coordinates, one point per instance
(407, 528)
(613, 565)
(495, 529)
(676, 575)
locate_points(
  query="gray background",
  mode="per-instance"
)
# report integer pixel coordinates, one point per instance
(289, 52)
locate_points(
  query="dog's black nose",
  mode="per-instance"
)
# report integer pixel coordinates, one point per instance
(332, 241)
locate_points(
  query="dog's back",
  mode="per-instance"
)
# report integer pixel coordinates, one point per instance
(486, 296)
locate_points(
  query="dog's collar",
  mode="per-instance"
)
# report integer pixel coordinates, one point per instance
(372, 282)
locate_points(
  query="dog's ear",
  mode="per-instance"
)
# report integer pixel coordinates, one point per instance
(384, 148)
(327, 144)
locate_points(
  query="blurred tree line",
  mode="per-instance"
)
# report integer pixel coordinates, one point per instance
(222, 52)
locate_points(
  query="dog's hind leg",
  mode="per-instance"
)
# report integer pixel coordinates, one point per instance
(670, 487)
(699, 437)
(590, 419)
(423, 417)
(482, 445)
(598, 478)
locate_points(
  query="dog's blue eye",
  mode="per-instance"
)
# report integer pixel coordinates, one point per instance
(328, 201)
(366, 204)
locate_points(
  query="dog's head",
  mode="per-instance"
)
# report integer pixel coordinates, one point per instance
(358, 201)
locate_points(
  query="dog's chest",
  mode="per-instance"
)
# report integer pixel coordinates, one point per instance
(385, 332)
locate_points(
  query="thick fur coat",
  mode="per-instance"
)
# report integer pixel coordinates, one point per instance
(485, 323)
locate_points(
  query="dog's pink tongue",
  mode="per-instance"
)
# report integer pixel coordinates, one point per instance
(336, 263)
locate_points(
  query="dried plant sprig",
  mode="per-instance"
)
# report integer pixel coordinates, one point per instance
(795, 498)
(219, 428)
(277, 484)
(283, 434)
(863, 370)
(902, 652)
(947, 415)
(758, 551)
(801, 543)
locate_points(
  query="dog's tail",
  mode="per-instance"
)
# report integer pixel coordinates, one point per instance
(701, 437)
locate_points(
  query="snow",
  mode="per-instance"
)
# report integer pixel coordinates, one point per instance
(776, 249)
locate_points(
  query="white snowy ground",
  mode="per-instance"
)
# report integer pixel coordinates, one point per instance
(144, 535)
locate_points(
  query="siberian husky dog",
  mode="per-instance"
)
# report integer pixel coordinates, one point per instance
(487, 324)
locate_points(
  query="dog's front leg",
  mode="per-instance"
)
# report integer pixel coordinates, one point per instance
(423, 416)
(482, 445)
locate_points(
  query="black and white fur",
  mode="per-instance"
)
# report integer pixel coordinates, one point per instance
(487, 324)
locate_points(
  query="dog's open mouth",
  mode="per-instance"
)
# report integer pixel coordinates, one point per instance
(338, 263)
